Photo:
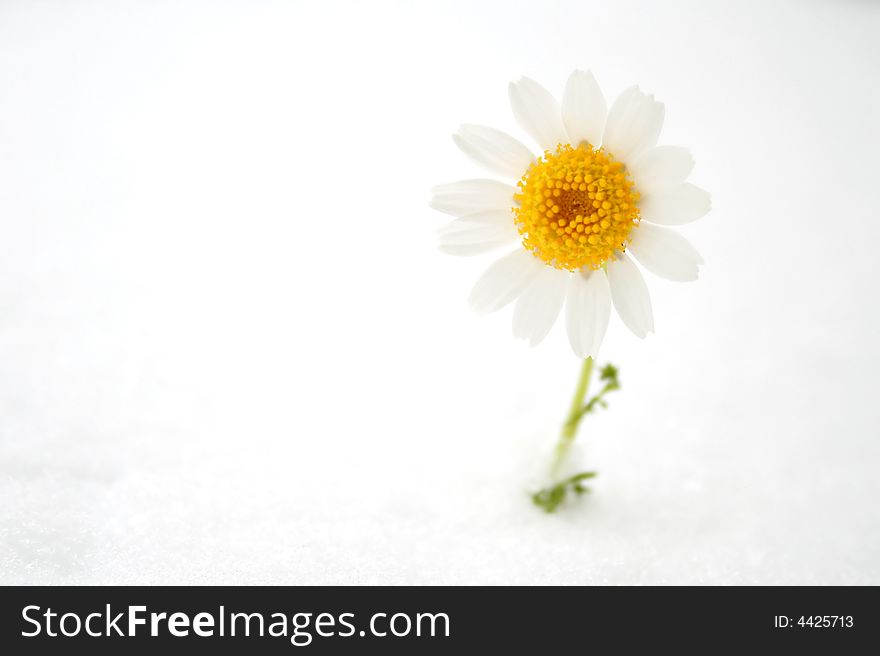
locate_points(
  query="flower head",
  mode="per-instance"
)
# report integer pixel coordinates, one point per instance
(599, 191)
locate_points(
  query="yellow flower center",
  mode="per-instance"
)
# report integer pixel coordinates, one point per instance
(577, 206)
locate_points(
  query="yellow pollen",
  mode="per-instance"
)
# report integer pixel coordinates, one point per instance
(577, 206)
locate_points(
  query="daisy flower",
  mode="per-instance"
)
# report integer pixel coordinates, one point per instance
(600, 193)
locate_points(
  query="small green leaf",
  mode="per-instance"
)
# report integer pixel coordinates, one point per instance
(608, 372)
(550, 498)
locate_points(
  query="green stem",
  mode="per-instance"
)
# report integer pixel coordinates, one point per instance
(570, 427)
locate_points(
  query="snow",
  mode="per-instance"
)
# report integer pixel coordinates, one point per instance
(219, 366)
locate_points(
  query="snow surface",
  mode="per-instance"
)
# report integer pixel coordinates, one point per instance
(219, 363)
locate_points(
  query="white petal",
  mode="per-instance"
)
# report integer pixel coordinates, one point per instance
(488, 220)
(469, 196)
(504, 281)
(583, 109)
(661, 168)
(539, 305)
(467, 250)
(494, 150)
(630, 296)
(537, 112)
(478, 233)
(633, 125)
(676, 206)
(587, 310)
(665, 253)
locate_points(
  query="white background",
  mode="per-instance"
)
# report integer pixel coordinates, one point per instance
(230, 351)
